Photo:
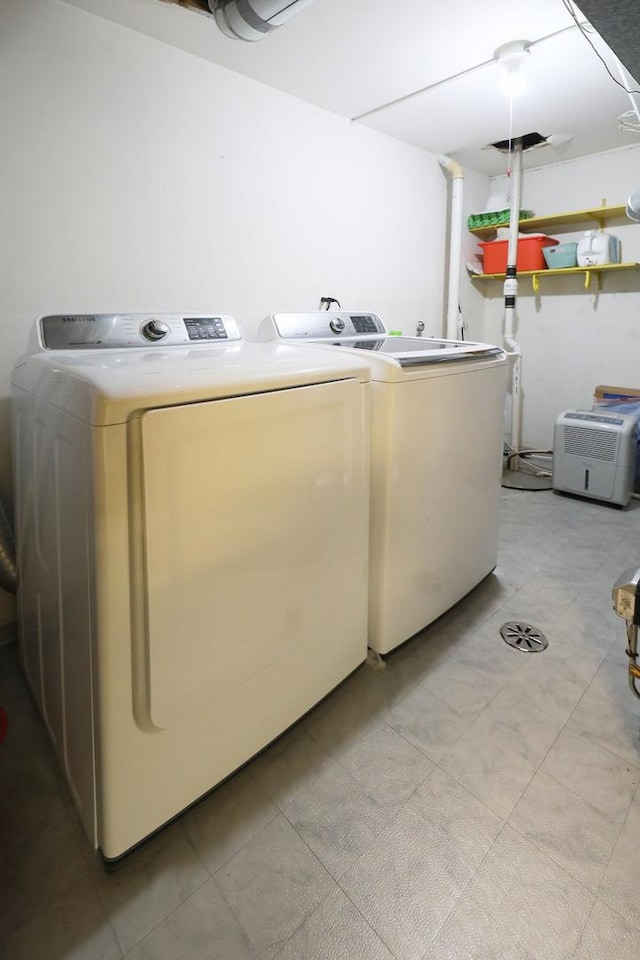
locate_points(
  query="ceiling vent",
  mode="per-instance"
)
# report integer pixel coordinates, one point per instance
(253, 19)
(528, 141)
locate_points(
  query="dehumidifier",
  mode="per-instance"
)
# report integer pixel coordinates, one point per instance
(594, 455)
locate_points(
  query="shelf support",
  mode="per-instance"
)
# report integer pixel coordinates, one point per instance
(535, 282)
(587, 279)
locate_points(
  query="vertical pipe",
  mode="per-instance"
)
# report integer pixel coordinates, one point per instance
(452, 329)
(510, 295)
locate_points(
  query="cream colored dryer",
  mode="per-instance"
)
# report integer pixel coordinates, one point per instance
(187, 503)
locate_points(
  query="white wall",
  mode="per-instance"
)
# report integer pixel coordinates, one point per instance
(134, 176)
(572, 339)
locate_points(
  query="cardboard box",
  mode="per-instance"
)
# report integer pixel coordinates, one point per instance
(612, 393)
(605, 397)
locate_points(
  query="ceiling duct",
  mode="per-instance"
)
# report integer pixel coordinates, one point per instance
(253, 19)
(633, 207)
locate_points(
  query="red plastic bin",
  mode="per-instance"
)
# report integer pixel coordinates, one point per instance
(530, 255)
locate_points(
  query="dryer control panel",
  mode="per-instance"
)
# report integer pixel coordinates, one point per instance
(98, 331)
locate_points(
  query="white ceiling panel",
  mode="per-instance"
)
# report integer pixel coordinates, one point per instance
(356, 56)
(566, 92)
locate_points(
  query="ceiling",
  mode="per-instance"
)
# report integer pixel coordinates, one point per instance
(422, 71)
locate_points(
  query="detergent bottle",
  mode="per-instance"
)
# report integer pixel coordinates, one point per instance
(597, 248)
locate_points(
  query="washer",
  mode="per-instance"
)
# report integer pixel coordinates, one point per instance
(436, 453)
(192, 516)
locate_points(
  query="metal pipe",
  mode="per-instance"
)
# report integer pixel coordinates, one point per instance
(632, 653)
(456, 172)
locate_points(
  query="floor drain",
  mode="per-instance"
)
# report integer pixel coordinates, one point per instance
(523, 636)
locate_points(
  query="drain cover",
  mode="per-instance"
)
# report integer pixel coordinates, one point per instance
(523, 636)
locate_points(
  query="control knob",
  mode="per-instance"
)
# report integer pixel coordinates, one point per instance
(155, 330)
(337, 324)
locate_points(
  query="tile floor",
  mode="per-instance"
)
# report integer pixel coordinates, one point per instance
(469, 801)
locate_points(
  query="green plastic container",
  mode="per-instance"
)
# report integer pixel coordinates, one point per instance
(562, 255)
(497, 218)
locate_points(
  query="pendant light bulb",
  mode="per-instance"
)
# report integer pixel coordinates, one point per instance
(511, 58)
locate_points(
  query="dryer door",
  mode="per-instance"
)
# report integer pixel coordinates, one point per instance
(253, 515)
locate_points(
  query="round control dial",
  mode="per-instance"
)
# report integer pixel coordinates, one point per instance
(337, 324)
(155, 330)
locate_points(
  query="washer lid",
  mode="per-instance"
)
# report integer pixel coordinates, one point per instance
(392, 358)
(108, 386)
(418, 351)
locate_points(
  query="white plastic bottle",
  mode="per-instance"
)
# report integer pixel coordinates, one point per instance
(597, 248)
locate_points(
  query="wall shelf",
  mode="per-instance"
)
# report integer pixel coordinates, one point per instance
(562, 271)
(593, 215)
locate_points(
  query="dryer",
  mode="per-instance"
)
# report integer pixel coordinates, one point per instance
(436, 460)
(187, 503)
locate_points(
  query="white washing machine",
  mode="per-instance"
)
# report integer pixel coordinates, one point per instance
(192, 519)
(436, 453)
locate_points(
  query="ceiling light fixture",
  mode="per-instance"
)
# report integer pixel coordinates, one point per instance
(511, 58)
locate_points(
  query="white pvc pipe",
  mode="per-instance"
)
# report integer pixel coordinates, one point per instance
(510, 295)
(452, 329)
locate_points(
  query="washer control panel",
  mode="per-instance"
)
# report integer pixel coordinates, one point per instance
(100, 331)
(326, 323)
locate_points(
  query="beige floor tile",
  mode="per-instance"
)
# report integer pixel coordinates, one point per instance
(456, 814)
(611, 723)
(519, 906)
(201, 928)
(386, 766)
(74, 927)
(341, 719)
(156, 879)
(224, 821)
(427, 722)
(487, 653)
(619, 887)
(337, 819)
(335, 931)
(273, 885)
(498, 754)
(289, 765)
(546, 685)
(633, 814)
(406, 884)
(39, 869)
(607, 935)
(464, 689)
(593, 773)
(568, 830)
(31, 787)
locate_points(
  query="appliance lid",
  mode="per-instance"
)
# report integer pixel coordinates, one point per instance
(107, 386)
(416, 351)
(366, 331)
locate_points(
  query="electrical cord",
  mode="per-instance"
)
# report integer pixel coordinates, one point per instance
(328, 301)
(585, 34)
(538, 470)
